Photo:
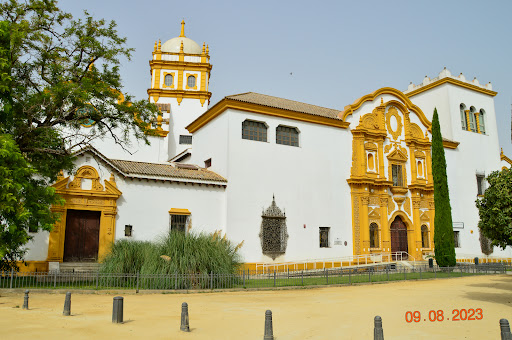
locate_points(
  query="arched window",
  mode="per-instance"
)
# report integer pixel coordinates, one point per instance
(191, 81)
(463, 117)
(168, 80)
(424, 236)
(374, 235)
(481, 120)
(371, 162)
(254, 130)
(472, 119)
(287, 135)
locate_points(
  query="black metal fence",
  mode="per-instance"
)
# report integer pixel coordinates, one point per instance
(244, 279)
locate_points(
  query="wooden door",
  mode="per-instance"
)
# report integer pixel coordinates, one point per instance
(82, 236)
(399, 244)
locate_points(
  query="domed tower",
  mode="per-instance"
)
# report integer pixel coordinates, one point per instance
(180, 74)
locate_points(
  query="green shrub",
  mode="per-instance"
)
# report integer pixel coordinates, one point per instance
(174, 253)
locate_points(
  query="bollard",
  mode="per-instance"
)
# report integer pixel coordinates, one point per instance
(25, 300)
(476, 261)
(67, 305)
(117, 310)
(185, 327)
(269, 332)
(378, 332)
(505, 330)
(431, 263)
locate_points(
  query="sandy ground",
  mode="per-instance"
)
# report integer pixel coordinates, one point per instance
(318, 313)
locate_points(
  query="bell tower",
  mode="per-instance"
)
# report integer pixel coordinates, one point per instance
(180, 75)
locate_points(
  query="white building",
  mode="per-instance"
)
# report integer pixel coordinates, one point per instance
(293, 181)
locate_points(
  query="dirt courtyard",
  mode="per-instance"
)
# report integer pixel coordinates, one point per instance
(316, 313)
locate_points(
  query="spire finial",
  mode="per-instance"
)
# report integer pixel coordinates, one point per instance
(159, 45)
(273, 198)
(155, 46)
(203, 48)
(181, 46)
(381, 101)
(207, 49)
(501, 151)
(182, 28)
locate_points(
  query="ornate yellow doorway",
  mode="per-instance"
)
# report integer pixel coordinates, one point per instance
(84, 195)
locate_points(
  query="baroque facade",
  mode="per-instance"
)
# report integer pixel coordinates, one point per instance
(335, 183)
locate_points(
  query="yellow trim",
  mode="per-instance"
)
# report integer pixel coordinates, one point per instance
(349, 109)
(450, 144)
(227, 103)
(32, 266)
(393, 112)
(505, 158)
(173, 80)
(180, 94)
(99, 198)
(195, 82)
(177, 211)
(453, 82)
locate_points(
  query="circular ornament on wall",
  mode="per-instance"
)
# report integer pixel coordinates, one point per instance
(394, 122)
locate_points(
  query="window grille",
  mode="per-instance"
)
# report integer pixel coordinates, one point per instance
(178, 222)
(424, 236)
(185, 139)
(472, 119)
(254, 131)
(480, 183)
(287, 135)
(324, 237)
(481, 120)
(168, 80)
(456, 240)
(191, 81)
(273, 234)
(463, 117)
(396, 172)
(374, 235)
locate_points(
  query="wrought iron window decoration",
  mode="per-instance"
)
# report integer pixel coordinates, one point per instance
(273, 234)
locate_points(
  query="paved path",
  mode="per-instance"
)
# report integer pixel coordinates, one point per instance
(319, 313)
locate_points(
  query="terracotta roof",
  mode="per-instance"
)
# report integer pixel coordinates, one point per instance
(175, 170)
(179, 171)
(285, 104)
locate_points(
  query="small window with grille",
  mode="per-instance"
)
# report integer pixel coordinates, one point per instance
(397, 174)
(456, 239)
(287, 135)
(191, 81)
(324, 237)
(184, 139)
(178, 222)
(168, 80)
(480, 183)
(254, 130)
(374, 235)
(424, 236)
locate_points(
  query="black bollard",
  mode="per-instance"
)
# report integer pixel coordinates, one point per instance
(67, 305)
(269, 332)
(505, 330)
(378, 332)
(117, 311)
(476, 261)
(25, 300)
(185, 327)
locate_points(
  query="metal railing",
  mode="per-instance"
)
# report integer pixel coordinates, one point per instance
(338, 262)
(244, 279)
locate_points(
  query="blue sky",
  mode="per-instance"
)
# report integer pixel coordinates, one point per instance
(336, 51)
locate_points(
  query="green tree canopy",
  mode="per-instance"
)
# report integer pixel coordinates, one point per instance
(495, 208)
(443, 227)
(55, 74)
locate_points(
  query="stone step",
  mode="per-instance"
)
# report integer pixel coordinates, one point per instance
(79, 267)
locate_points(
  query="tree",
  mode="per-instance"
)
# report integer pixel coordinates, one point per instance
(443, 227)
(495, 208)
(57, 73)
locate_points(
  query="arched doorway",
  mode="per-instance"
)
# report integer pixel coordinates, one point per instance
(399, 243)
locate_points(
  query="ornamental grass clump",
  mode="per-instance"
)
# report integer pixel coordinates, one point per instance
(175, 253)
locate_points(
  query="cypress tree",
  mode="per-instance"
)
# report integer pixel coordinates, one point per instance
(443, 227)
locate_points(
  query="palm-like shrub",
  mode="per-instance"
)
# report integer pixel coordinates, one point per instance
(174, 253)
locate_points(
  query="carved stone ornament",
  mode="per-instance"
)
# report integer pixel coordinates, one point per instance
(273, 234)
(393, 112)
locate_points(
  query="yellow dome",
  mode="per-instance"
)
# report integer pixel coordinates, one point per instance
(189, 46)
